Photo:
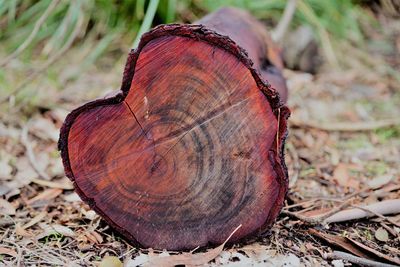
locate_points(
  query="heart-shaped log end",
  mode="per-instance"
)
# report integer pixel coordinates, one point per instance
(191, 148)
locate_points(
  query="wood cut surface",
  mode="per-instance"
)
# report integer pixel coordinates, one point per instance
(252, 36)
(187, 153)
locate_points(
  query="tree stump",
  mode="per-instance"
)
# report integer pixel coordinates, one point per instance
(192, 145)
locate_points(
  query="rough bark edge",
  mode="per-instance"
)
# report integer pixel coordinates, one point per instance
(198, 32)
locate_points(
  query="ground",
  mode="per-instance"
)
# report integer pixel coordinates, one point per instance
(343, 151)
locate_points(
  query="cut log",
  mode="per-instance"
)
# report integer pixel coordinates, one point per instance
(192, 146)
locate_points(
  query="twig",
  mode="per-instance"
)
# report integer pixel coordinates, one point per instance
(30, 38)
(383, 208)
(279, 32)
(358, 260)
(322, 219)
(390, 230)
(347, 126)
(307, 219)
(29, 152)
(318, 219)
(377, 214)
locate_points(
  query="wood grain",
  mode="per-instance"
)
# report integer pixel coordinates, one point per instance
(191, 148)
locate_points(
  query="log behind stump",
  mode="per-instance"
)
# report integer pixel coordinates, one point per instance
(189, 149)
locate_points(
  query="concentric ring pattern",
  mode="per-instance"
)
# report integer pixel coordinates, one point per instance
(186, 155)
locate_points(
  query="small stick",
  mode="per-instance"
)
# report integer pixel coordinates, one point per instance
(357, 260)
(310, 220)
(347, 126)
(322, 219)
(383, 208)
(377, 214)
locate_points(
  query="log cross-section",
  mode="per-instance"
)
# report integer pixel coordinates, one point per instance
(192, 146)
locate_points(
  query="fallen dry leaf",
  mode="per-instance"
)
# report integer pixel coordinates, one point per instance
(90, 237)
(6, 208)
(25, 173)
(44, 129)
(5, 170)
(20, 231)
(8, 251)
(54, 229)
(382, 235)
(35, 220)
(45, 196)
(255, 255)
(341, 177)
(187, 258)
(340, 242)
(110, 261)
(73, 197)
(380, 181)
(375, 252)
(63, 183)
(89, 214)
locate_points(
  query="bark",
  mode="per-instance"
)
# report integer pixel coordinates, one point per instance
(192, 146)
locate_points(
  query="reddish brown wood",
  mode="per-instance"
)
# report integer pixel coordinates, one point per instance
(251, 35)
(189, 149)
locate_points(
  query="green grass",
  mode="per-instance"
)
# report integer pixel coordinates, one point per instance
(39, 32)
(332, 20)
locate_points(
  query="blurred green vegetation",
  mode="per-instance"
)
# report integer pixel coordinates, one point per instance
(36, 34)
(105, 20)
